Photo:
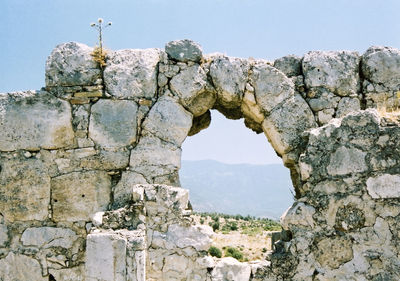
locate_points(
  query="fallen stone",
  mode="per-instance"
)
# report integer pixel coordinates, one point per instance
(132, 74)
(71, 64)
(184, 50)
(22, 111)
(113, 123)
(72, 204)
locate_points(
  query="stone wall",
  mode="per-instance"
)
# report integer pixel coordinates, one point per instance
(89, 164)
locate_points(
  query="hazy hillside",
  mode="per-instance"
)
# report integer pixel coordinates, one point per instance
(258, 190)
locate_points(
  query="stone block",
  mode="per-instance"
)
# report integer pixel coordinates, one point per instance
(79, 195)
(168, 120)
(132, 73)
(184, 50)
(347, 161)
(194, 91)
(335, 71)
(384, 186)
(105, 257)
(113, 123)
(47, 237)
(20, 267)
(24, 189)
(34, 120)
(71, 64)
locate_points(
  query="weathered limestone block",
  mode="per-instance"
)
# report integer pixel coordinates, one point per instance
(79, 195)
(184, 50)
(229, 76)
(347, 161)
(251, 110)
(198, 237)
(347, 105)
(47, 237)
(20, 267)
(285, 133)
(193, 89)
(24, 189)
(299, 214)
(381, 65)
(105, 257)
(384, 186)
(231, 269)
(113, 123)
(153, 157)
(71, 64)
(333, 252)
(271, 86)
(175, 267)
(123, 190)
(290, 65)
(335, 71)
(34, 120)
(324, 100)
(168, 120)
(68, 274)
(132, 74)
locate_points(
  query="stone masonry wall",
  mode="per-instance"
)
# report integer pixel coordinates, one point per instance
(89, 186)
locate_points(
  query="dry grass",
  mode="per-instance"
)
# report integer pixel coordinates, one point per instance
(99, 55)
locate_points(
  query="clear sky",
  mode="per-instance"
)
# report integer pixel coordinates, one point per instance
(30, 29)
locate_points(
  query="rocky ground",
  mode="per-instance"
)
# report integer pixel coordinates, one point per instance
(253, 237)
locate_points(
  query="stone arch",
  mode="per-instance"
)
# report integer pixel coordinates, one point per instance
(238, 88)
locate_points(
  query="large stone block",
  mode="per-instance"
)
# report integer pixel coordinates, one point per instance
(193, 90)
(271, 86)
(79, 195)
(231, 269)
(229, 77)
(381, 65)
(184, 50)
(71, 64)
(132, 73)
(105, 257)
(335, 71)
(153, 157)
(24, 189)
(47, 237)
(347, 161)
(113, 123)
(33, 120)
(168, 120)
(284, 126)
(20, 267)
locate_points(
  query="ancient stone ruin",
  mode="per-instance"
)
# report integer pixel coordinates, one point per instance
(89, 186)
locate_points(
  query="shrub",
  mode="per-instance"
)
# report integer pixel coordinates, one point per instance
(215, 252)
(234, 253)
(201, 221)
(215, 226)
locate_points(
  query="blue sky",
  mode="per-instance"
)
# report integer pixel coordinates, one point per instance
(30, 29)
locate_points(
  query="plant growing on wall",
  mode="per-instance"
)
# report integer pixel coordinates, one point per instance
(99, 54)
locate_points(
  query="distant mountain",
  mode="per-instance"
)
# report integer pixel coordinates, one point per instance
(256, 190)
